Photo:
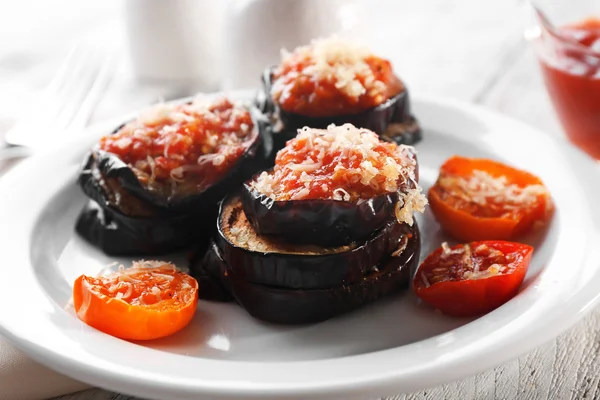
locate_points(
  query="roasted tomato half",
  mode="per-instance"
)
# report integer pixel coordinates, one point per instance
(479, 199)
(474, 278)
(152, 299)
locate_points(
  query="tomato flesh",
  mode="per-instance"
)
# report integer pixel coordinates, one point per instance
(479, 199)
(306, 93)
(338, 168)
(183, 139)
(474, 278)
(147, 301)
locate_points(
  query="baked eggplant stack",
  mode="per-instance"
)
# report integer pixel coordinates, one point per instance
(328, 229)
(154, 184)
(332, 81)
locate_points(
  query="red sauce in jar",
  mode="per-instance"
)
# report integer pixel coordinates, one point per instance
(174, 143)
(331, 78)
(573, 82)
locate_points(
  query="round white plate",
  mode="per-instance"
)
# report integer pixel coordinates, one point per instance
(392, 346)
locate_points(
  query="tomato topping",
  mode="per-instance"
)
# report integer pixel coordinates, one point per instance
(339, 163)
(169, 142)
(331, 77)
(479, 199)
(152, 299)
(472, 279)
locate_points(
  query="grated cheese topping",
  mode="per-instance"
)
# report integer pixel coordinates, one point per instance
(343, 163)
(410, 202)
(144, 283)
(337, 60)
(482, 189)
(168, 142)
(347, 71)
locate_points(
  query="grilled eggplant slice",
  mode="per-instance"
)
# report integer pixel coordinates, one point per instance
(203, 151)
(189, 198)
(120, 235)
(121, 224)
(284, 306)
(392, 120)
(327, 221)
(317, 221)
(269, 261)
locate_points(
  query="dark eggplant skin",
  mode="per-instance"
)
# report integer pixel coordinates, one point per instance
(394, 113)
(254, 159)
(121, 224)
(320, 222)
(205, 267)
(117, 234)
(326, 223)
(291, 307)
(296, 266)
(127, 219)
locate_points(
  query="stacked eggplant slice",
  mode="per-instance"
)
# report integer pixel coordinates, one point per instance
(154, 184)
(332, 81)
(328, 229)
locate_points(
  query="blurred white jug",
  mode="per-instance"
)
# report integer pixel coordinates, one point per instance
(256, 31)
(176, 40)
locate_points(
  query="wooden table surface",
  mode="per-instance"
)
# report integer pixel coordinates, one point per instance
(466, 49)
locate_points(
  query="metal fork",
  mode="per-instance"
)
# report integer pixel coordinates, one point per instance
(66, 104)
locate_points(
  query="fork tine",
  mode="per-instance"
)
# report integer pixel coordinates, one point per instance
(46, 102)
(62, 74)
(67, 96)
(87, 106)
(74, 94)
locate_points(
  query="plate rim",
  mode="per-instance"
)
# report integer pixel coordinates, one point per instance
(141, 385)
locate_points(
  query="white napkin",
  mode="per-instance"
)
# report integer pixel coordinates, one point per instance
(23, 379)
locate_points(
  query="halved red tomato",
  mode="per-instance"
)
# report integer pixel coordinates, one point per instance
(152, 299)
(474, 278)
(479, 199)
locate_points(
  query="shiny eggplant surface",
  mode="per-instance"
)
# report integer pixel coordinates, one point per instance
(392, 120)
(271, 261)
(206, 266)
(121, 224)
(118, 234)
(285, 306)
(318, 222)
(189, 199)
(321, 222)
(128, 217)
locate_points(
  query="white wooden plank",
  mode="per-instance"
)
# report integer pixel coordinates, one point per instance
(447, 48)
(588, 374)
(521, 94)
(485, 384)
(463, 389)
(506, 381)
(535, 373)
(569, 352)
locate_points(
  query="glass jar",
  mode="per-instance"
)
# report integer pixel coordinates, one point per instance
(569, 58)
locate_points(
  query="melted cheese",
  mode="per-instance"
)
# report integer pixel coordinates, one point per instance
(413, 200)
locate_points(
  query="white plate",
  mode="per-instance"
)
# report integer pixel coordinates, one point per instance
(392, 346)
